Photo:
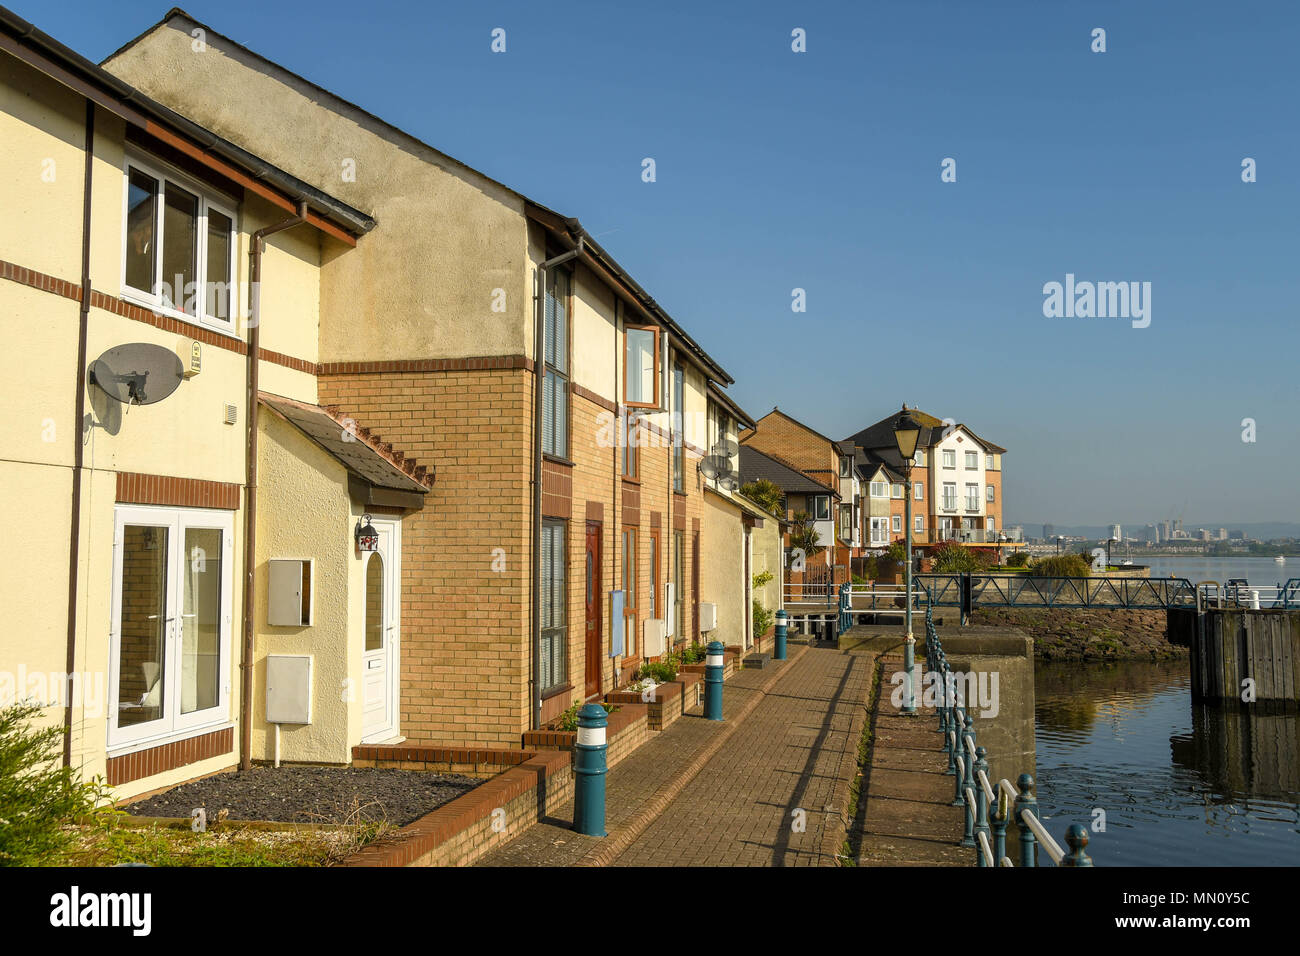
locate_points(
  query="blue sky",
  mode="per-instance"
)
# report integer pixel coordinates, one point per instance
(821, 171)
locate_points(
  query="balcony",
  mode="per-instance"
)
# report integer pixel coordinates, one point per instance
(972, 506)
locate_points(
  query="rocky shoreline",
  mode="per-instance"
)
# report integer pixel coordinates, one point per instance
(1073, 634)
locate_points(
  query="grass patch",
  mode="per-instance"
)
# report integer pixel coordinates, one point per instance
(108, 839)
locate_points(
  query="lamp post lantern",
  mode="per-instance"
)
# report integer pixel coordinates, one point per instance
(906, 433)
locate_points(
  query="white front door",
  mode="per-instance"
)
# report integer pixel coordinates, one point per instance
(380, 636)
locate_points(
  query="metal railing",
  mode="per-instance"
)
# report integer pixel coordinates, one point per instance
(1030, 590)
(1254, 596)
(968, 764)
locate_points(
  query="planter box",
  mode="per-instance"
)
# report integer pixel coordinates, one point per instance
(662, 709)
(492, 814)
(628, 728)
(728, 666)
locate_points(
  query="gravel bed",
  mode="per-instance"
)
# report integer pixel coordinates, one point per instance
(311, 795)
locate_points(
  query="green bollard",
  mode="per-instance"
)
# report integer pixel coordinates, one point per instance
(713, 681)
(589, 771)
(782, 623)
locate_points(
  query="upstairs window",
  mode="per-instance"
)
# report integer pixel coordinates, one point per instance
(641, 366)
(990, 495)
(679, 422)
(949, 458)
(920, 458)
(972, 459)
(846, 467)
(896, 490)
(879, 489)
(821, 507)
(555, 385)
(178, 248)
(918, 491)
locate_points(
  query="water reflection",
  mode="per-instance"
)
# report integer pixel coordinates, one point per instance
(1180, 784)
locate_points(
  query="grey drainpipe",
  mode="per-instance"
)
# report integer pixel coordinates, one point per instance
(256, 245)
(539, 370)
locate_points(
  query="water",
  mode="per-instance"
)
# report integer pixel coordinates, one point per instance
(1181, 784)
(1197, 568)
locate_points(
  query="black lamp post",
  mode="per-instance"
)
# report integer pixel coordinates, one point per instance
(906, 434)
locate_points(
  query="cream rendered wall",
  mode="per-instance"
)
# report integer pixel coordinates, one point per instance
(422, 283)
(42, 133)
(960, 442)
(767, 555)
(303, 512)
(722, 579)
(596, 346)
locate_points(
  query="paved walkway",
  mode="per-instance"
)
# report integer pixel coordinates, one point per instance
(906, 819)
(672, 803)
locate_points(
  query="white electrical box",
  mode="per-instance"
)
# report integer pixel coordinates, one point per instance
(288, 689)
(654, 643)
(289, 595)
(708, 616)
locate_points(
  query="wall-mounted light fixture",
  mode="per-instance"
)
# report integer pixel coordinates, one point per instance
(366, 535)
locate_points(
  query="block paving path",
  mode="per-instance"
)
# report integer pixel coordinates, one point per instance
(795, 749)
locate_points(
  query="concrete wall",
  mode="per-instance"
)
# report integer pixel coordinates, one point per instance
(723, 582)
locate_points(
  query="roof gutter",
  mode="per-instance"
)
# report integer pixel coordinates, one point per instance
(539, 375)
(256, 245)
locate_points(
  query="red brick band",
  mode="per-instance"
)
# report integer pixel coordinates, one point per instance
(137, 489)
(146, 763)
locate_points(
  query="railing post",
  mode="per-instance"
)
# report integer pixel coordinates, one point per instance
(968, 837)
(1000, 827)
(1077, 839)
(959, 774)
(1025, 801)
(967, 751)
(981, 800)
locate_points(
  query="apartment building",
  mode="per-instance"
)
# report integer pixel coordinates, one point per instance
(566, 413)
(957, 482)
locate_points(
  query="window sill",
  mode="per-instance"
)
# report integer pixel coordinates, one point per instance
(631, 481)
(133, 297)
(557, 460)
(556, 691)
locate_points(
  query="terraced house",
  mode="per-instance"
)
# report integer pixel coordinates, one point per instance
(562, 408)
(196, 560)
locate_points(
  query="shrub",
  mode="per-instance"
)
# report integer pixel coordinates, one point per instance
(951, 558)
(694, 654)
(1062, 566)
(659, 671)
(568, 720)
(1018, 560)
(38, 796)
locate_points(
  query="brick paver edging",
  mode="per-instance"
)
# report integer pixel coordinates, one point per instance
(836, 831)
(613, 846)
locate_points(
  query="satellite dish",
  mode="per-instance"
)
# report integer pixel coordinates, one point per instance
(137, 374)
(708, 468)
(726, 449)
(721, 465)
(730, 483)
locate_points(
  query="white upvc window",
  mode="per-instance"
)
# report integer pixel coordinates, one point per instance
(992, 524)
(880, 489)
(821, 507)
(920, 458)
(170, 638)
(918, 522)
(972, 497)
(950, 495)
(896, 490)
(178, 249)
(918, 490)
(972, 459)
(897, 522)
(989, 494)
(988, 462)
(949, 458)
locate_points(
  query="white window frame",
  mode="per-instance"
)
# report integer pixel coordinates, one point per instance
(918, 523)
(920, 458)
(918, 490)
(989, 494)
(972, 500)
(950, 501)
(173, 725)
(950, 455)
(896, 524)
(817, 502)
(896, 489)
(165, 173)
(988, 463)
(972, 460)
(880, 489)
